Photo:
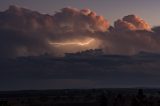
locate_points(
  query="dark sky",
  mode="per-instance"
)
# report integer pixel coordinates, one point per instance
(22, 39)
(111, 9)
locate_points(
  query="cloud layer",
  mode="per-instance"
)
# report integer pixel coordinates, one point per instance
(24, 32)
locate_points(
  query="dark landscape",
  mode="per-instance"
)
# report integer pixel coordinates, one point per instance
(85, 97)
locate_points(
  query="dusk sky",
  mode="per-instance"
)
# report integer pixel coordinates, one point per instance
(110, 9)
(112, 43)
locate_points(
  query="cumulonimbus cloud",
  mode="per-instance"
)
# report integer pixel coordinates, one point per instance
(24, 32)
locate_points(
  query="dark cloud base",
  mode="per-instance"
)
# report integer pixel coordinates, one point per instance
(34, 73)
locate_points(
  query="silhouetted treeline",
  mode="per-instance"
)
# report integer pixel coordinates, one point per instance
(94, 97)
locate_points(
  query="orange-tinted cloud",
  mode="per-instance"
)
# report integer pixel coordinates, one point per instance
(132, 22)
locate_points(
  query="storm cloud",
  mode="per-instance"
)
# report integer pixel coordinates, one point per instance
(28, 33)
(131, 35)
(24, 32)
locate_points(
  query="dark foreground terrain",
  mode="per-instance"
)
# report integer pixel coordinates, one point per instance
(82, 97)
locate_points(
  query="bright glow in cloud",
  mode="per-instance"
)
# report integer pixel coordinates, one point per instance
(72, 43)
